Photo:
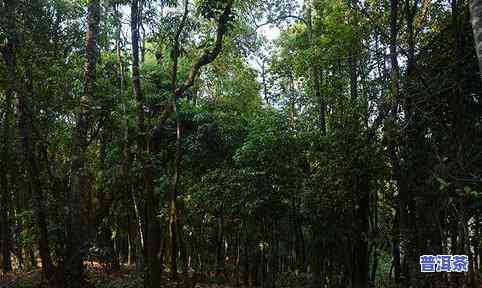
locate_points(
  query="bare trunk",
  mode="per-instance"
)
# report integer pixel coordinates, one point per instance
(360, 243)
(316, 257)
(315, 69)
(413, 177)
(173, 196)
(79, 181)
(389, 131)
(220, 245)
(246, 257)
(476, 20)
(25, 155)
(352, 63)
(5, 196)
(152, 233)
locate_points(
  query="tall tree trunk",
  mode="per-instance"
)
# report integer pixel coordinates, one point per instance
(139, 233)
(361, 190)
(389, 133)
(173, 222)
(264, 82)
(246, 256)
(208, 56)
(299, 243)
(476, 20)
(352, 64)
(25, 155)
(315, 68)
(316, 257)
(172, 196)
(412, 193)
(152, 233)
(101, 227)
(360, 243)
(274, 263)
(5, 196)
(79, 180)
(220, 245)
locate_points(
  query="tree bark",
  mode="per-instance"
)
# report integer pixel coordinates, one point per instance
(79, 180)
(390, 134)
(25, 155)
(206, 58)
(316, 257)
(220, 245)
(315, 68)
(476, 20)
(152, 233)
(5, 196)
(352, 63)
(361, 192)
(360, 243)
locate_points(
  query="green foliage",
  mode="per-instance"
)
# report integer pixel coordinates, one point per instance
(254, 175)
(28, 234)
(211, 9)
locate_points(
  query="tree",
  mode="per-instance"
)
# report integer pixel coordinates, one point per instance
(79, 180)
(151, 223)
(208, 56)
(25, 155)
(366, 155)
(476, 20)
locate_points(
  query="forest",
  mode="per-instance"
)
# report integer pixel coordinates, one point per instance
(230, 143)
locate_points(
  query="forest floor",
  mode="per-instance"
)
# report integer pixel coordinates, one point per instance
(127, 277)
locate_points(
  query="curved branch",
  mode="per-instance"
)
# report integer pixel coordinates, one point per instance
(284, 17)
(209, 55)
(183, 22)
(176, 48)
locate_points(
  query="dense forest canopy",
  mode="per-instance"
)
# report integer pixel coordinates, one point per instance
(192, 143)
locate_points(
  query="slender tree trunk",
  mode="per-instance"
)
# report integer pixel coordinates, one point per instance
(79, 181)
(264, 81)
(131, 239)
(412, 192)
(220, 245)
(390, 134)
(315, 68)
(101, 231)
(183, 251)
(25, 155)
(173, 222)
(476, 259)
(206, 58)
(361, 191)
(172, 196)
(5, 234)
(140, 233)
(130, 245)
(476, 20)
(5, 196)
(360, 243)
(352, 63)
(373, 272)
(152, 225)
(300, 245)
(362, 200)
(316, 257)
(246, 257)
(274, 263)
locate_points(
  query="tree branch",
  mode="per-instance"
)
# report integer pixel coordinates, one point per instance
(209, 55)
(284, 17)
(176, 48)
